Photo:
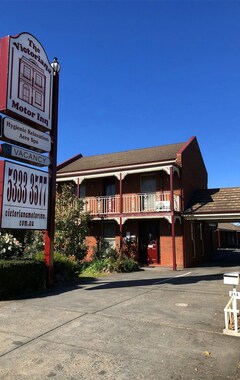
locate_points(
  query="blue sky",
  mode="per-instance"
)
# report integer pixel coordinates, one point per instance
(137, 74)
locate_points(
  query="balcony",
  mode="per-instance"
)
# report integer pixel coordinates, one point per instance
(131, 203)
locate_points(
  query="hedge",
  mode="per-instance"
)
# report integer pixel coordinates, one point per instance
(21, 276)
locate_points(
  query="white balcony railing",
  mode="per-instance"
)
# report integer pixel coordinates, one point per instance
(131, 203)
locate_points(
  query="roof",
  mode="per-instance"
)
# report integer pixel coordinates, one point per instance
(228, 227)
(210, 201)
(121, 159)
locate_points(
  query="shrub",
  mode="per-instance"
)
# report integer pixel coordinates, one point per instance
(10, 247)
(65, 268)
(33, 243)
(21, 276)
(71, 225)
(110, 261)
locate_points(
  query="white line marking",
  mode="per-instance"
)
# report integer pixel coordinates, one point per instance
(168, 279)
(181, 275)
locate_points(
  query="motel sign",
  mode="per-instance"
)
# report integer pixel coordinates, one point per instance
(26, 82)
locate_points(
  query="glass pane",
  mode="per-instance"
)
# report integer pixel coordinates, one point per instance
(148, 184)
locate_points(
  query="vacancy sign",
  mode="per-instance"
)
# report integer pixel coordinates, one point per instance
(26, 81)
(23, 155)
(24, 195)
(22, 134)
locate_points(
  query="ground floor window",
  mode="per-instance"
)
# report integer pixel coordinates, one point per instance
(109, 233)
(193, 236)
(202, 239)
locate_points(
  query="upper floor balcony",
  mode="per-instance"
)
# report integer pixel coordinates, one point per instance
(141, 203)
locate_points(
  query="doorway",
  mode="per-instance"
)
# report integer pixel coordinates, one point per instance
(149, 242)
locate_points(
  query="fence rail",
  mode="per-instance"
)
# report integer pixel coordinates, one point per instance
(131, 203)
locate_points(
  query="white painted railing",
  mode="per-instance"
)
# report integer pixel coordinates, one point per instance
(131, 203)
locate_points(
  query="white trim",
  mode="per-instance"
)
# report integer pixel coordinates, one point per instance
(227, 216)
(125, 218)
(116, 174)
(116, 168)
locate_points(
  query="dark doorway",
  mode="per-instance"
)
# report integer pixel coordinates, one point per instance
(149, 242)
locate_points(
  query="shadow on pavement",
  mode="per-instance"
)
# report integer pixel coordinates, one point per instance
(223, 259)
(157, 281)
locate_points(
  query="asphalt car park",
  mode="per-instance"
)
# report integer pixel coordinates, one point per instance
(152, 324)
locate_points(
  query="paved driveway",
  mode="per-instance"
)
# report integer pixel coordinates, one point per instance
(153, 324)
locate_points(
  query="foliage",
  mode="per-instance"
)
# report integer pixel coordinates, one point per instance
(71, 227)
(21, 276)
(33, 243)
(10, 247)
(104, 252)
(71, 223)
(66, 268)
(110, 261)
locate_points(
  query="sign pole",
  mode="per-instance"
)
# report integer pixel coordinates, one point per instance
(49, 236)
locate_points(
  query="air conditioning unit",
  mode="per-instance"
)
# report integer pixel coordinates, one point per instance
(162, 206)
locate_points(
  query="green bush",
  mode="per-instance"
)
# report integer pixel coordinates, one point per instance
(21, 276)
(65, 268)
(120, 263)
(108, 259)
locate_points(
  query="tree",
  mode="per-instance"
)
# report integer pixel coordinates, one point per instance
(71, 223)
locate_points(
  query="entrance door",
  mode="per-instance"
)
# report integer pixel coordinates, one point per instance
(149, 242)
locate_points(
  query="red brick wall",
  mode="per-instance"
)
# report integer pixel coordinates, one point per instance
(91, 242)
(194, 173)
(166, 252)
(165, 240)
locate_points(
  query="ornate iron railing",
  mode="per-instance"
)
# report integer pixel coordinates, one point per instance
(131, 203)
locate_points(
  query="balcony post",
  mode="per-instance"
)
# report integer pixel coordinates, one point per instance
(78, 188)
(173, 220)
(121, 210)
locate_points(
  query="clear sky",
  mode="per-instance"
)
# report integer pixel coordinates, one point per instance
(137, 74)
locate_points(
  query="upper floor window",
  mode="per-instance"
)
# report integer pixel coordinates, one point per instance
(148, 184)
(109, 186)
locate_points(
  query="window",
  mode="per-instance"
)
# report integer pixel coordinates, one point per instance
(27, 72)
(109, 187)
(26, 93)
(109, 233)
(148, 189)
(193, 239)
(32, 82)
(38, 80)
(38, 98)
(201, 239)
(148, 184)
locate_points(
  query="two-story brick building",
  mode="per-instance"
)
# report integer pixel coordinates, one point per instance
(138, 198)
